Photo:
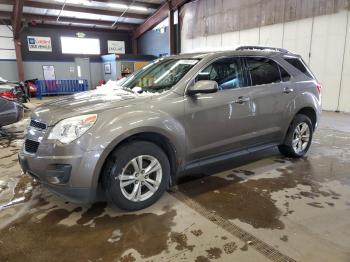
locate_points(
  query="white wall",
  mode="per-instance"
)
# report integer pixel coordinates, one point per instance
(7, 47)
(323, 42)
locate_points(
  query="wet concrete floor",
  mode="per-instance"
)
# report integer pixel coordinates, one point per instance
(258, 207)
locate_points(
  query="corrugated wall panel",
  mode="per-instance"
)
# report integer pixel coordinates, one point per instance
(327, 49)
(344, 100)
(249, 37)
(271, 35)
(297, 37)
(230, 40)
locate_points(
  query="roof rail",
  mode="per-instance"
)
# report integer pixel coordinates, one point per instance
(263, 48)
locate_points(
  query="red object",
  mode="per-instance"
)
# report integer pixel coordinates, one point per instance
(8, 95)
(32, 88)
(319, 88)
(101, 82)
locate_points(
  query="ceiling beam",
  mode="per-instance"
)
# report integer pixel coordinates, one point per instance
(30, 18)
(73, 8)
(128, 2)
(153, 20)
(158, 16)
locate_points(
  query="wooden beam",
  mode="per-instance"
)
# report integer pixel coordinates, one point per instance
(128, 2)
(17, 17)
(19, 60)
(153, 20)
(158, 16)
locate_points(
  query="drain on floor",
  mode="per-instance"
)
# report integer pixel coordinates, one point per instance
(262, 247)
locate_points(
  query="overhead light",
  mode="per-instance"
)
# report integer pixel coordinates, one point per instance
(122, 6)
(138, 8)
(118, 6)
(76, 2)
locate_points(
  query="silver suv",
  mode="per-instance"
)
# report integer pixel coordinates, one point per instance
(131, 140)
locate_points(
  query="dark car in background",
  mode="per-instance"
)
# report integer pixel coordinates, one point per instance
(15, 91)
(10, 112)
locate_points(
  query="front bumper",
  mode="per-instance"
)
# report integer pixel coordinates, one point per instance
(71, 176)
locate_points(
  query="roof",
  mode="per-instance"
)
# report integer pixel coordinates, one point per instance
(105, 14)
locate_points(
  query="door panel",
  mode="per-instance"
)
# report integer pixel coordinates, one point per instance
(215, 123)
(270, 98)
(219, 122)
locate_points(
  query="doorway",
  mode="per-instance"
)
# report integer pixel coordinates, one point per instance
(83, 69)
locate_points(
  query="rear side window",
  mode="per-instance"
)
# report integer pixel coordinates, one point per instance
(298, 64)
(265, 71)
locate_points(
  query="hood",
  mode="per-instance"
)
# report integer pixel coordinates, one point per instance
(86, 103)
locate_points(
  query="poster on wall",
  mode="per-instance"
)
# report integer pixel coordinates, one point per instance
(39, 44)
(49, 72)
(116, 47)
(107, 69)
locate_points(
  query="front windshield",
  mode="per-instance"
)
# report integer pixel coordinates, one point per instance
(160, 75)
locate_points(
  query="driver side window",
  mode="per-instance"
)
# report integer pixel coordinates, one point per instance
(226, 72)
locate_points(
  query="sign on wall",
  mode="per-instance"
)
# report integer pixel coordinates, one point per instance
(116, 47)
(39, 44)
(49, 72)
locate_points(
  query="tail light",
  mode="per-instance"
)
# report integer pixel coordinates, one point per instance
(319, 88)
(9, 95)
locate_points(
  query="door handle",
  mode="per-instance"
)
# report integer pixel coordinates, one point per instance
(288, 90)
(242, 100)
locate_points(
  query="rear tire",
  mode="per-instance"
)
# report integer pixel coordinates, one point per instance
(136, 175)
(298, 138)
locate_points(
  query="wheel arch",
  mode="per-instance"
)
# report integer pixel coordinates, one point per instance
(159, 139)
(310, 113)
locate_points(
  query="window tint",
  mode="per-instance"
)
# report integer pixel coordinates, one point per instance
(284, 74)
(226, 72)
(263, 71)
(298, 64)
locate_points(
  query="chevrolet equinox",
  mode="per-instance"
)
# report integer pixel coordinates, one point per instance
(174, 114)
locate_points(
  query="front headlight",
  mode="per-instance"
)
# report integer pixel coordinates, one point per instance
(67, 130)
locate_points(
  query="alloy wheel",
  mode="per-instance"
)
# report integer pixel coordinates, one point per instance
(301, 137)
(140, 178)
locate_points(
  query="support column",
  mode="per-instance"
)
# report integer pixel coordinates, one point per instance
(16, 28)
(19, 60)
(172, 36)
(134, 45)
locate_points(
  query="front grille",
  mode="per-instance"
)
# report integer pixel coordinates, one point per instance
(37, 124)
(31, 146)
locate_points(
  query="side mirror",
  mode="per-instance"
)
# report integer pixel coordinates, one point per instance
(203, 87)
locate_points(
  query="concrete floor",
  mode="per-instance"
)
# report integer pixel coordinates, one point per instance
(259, 207)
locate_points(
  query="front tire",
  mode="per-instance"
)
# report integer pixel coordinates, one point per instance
(136, 175)
(298, 138)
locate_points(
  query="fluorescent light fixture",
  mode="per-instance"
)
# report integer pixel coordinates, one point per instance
(122, 6)
(118, 6)
(138, 8)
(76, 2)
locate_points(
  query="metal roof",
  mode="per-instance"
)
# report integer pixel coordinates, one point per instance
(108, 14)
